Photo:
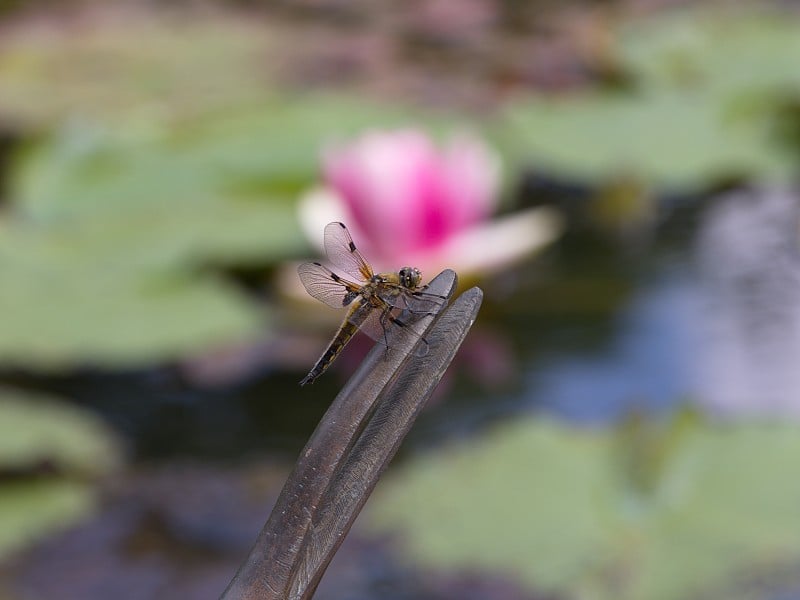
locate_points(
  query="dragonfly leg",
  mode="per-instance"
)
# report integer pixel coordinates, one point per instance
(421, 292)
(384, 316)
(387, 315)
(437, 299)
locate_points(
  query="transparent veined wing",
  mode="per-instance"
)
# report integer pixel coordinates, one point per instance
(343, 254)
(379, 323)
(325, 285)
(417, 301)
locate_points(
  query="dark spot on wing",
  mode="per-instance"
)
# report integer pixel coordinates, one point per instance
(352, 247)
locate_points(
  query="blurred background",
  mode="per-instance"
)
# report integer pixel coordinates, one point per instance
(622, 421)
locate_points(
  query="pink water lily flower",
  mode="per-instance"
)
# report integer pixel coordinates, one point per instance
(408, 201)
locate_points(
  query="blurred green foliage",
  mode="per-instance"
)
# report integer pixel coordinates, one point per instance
(643, 512)
(673, 140)
(50, 453)
(734, 54)
(702, 104)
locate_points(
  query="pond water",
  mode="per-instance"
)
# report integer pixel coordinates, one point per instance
(710, 321)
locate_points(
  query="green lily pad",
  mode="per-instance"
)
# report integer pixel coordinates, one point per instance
(569, 509)
(71, 310)
(75, 445)
(265, 156)
(32, 509)
(37, 429)
(673, 140)
(735, 51)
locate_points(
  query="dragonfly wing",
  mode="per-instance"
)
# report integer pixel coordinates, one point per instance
(417, 302)
(325, 285)
(380, 323)
(343, 254)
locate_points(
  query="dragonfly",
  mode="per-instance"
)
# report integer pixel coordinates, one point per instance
(375, 302)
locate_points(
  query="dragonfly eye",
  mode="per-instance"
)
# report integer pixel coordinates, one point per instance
(410, 277)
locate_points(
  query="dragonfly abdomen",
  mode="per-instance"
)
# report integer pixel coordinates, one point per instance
(346, 332)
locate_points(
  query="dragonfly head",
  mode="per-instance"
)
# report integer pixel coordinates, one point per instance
(410, 277)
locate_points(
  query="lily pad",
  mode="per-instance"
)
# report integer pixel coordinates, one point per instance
(672, 140)
(37, 429)
(31, 509)
(565, 508)
(70, 309)
(742, 51)
(74, 445)
(266, 155)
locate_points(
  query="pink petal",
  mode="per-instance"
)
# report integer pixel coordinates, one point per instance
(405, 194)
